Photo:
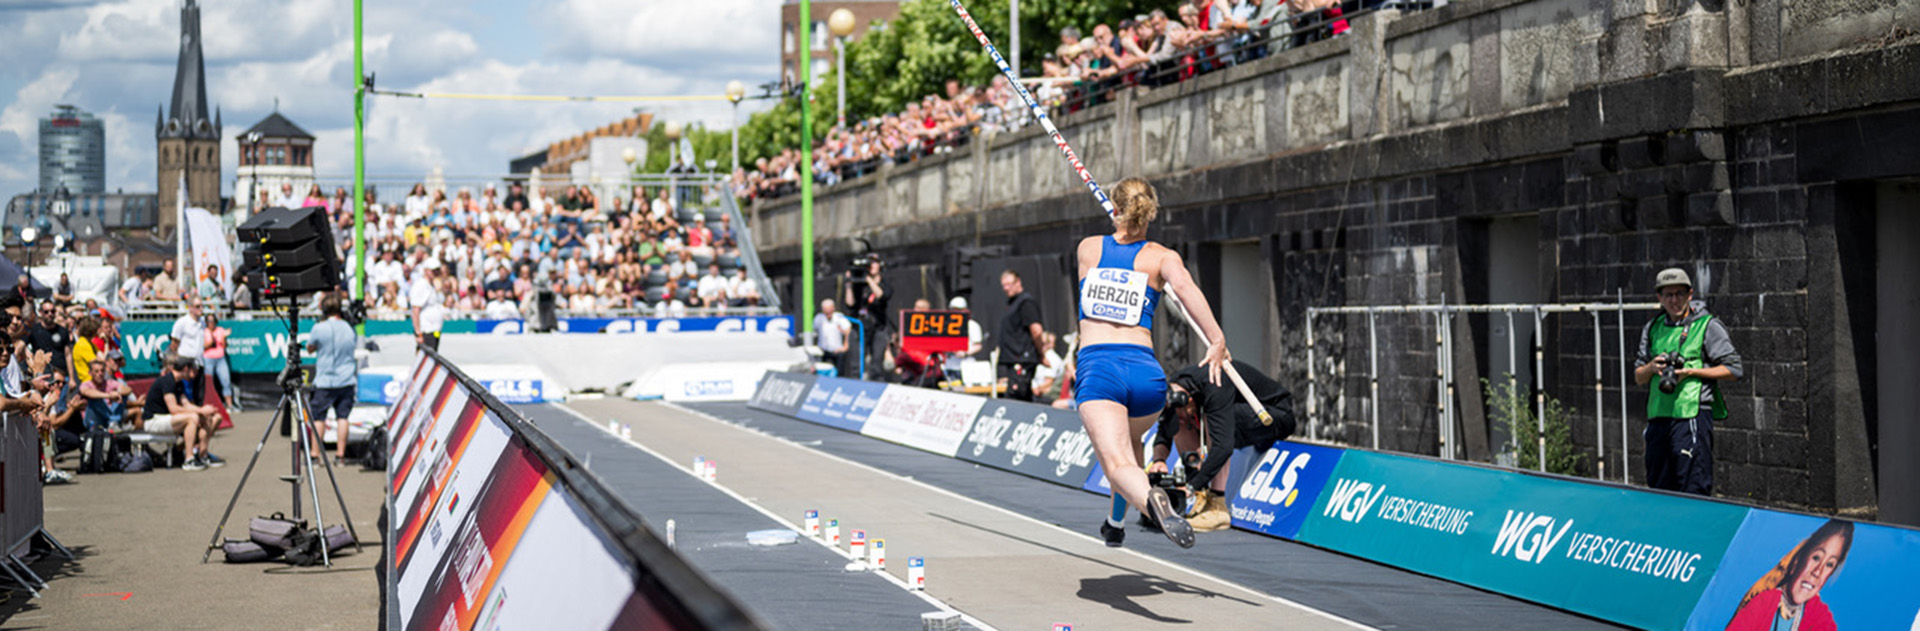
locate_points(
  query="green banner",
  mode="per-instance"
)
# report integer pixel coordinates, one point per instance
(256, 346)
(1629, 556)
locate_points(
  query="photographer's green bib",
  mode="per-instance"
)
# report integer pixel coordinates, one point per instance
(1684, 401)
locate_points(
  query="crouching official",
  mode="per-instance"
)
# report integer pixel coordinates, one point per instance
(1212, 421)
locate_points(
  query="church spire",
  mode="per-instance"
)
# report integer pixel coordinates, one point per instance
(187, 117)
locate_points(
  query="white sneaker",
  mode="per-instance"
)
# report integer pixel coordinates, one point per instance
(193, 464)
(57, 476)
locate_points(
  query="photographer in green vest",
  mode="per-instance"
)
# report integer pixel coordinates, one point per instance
(1686, 353)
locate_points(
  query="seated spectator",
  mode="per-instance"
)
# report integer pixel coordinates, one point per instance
(742, 291)
(669, 306)
(173, 407)
(106, 396)
(499, 307)
(713, 287)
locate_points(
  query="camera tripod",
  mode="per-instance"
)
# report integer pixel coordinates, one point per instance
(293, 407)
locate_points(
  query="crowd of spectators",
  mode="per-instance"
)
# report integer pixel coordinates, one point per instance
(61, 366)
(491, 255)
(1148, 49)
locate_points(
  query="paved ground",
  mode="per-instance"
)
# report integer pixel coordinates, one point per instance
(138, 539)
(1009, 571)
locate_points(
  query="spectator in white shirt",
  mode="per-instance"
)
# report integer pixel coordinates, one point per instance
(189, 336)
(429, 307)
(713, 287)
(669, 306)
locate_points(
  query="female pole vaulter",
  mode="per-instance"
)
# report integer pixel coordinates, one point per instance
(1120, 386)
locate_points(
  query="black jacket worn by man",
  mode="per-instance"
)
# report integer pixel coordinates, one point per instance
(1231, 423)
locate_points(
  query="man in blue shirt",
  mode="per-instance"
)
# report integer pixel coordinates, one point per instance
(332, 343)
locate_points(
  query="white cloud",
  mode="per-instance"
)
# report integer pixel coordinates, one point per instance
(117, 58)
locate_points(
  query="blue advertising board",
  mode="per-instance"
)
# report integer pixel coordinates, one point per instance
(842, 403)
(1838, 574)
(1097, 478)
(780, 325)
(1625, 555)
(1035, 440)
(782, 392)
(1273, 492)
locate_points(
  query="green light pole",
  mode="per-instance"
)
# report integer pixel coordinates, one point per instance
(359, 163)
(806, 166)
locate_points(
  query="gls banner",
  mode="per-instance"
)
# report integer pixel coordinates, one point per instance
(1035, 440)
(782, 392)
(842, 403)
(1280, 487)
(1625, 555)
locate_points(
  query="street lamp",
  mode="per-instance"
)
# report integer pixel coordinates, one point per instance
(841, 24)
(735, 92)
(253, 182)
(28, 235)
(673, 163)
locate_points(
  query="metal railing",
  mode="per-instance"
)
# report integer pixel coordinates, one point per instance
(1443, 315)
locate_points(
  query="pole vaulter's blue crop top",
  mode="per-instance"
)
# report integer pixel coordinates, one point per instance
(1115, 292)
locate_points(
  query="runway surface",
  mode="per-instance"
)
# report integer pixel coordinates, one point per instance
(1008, 551)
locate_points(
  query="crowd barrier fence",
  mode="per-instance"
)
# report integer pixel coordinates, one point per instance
(1633, 556)
(491, 524)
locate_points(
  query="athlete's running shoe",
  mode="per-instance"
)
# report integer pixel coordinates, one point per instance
(1114, 535)
(1171, 523)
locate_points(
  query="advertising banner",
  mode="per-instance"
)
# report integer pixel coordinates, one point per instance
(709, 381)
(782, 393)
(843, 403)
(775, 325)
(1591, 549)
(256, 346)
(1031, 439)
(447, 591)
(1273, 492)
(1831, 573)
(1097, 479)
(441, 502)
(932, 420)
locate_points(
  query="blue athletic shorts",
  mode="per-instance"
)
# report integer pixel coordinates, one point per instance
(1127, 374)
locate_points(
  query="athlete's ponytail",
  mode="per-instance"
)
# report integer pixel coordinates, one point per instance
(1136, 203)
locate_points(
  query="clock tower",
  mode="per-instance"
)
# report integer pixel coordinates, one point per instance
(188, 140)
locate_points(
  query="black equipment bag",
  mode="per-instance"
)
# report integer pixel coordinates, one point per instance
(305, 548)
(375, 458)
(96, 452)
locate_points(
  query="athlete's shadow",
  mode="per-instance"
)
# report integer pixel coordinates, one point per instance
(1122, 591)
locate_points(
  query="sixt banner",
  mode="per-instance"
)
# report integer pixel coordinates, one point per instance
(782, 392)
(776, 325)
(842, 403)
(1586, 548)
(1035, 440)
(1276, 493)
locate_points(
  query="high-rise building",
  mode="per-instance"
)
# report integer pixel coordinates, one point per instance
(188, 140)
(73, 151)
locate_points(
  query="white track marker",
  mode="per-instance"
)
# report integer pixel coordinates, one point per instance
(935, 602)
(897, 477)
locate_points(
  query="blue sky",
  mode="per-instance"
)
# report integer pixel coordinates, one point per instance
(115, 58)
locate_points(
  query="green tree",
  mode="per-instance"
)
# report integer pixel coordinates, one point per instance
(1509, 408)
(915, 54)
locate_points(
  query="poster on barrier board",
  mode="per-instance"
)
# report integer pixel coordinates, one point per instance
(842, 403)
(782, 392)
(1272, 492)
(444, 498)
(932, 420)
(1635, 557)
(1035, 440)
(447, 592)
(1829, 573)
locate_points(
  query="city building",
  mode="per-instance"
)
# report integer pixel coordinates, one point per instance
(594, 158)
(188, 141)
(273, 152)
(865, 13)
(73, 151)
(88, 224)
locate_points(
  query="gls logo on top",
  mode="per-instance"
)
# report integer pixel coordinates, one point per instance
(1280, 488)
